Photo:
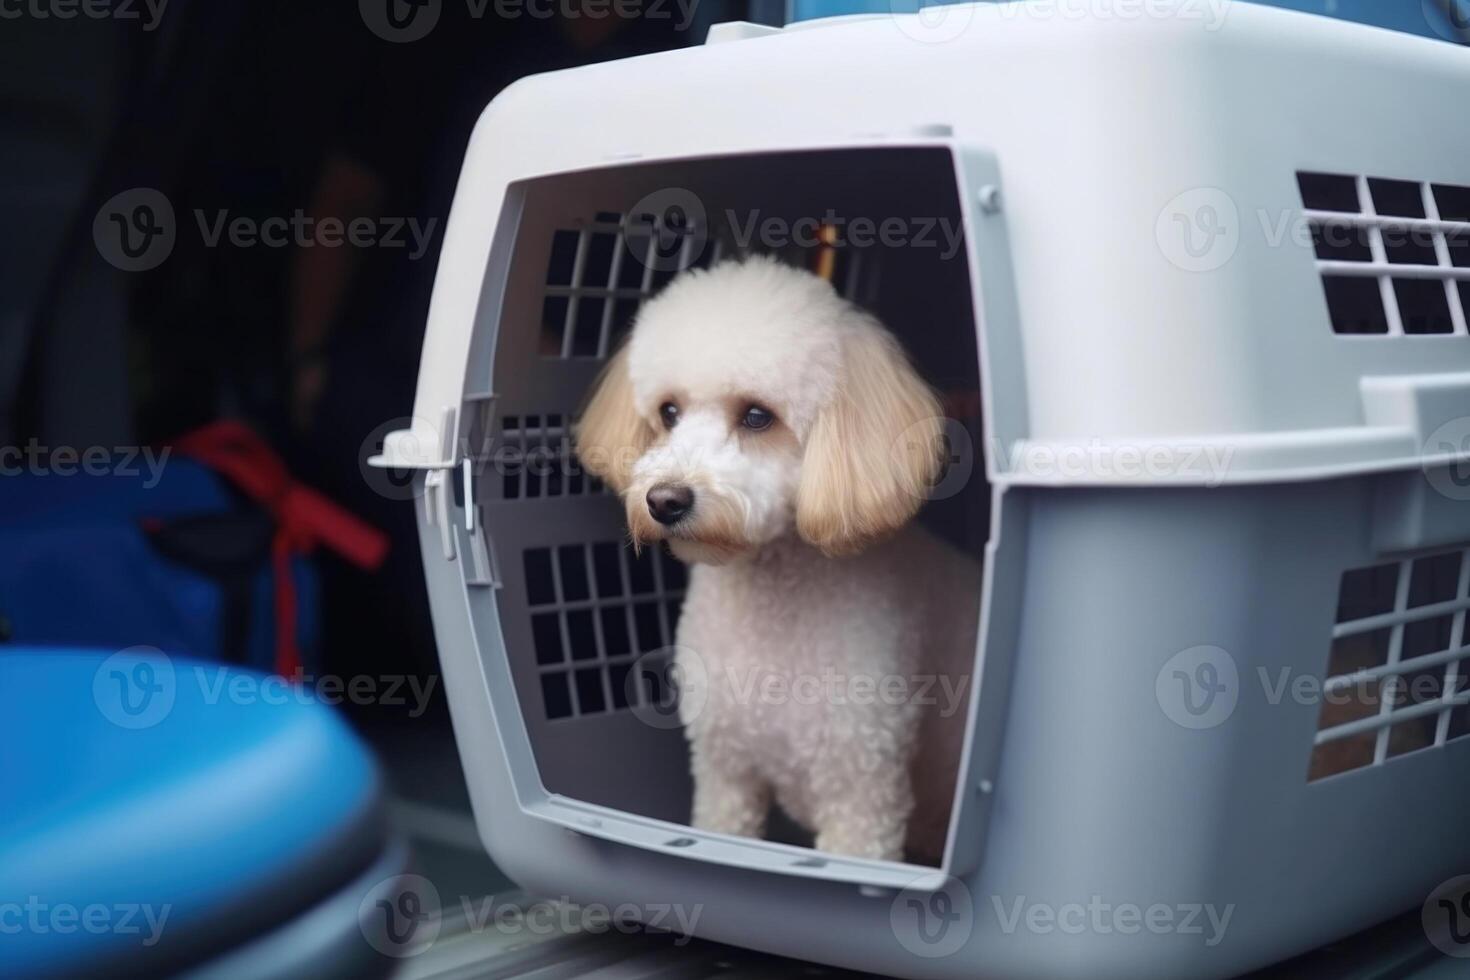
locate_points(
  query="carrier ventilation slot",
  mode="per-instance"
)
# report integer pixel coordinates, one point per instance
(1397, 680)
(534, 457)
(1394, 255)
(600, 273)
(599, 612)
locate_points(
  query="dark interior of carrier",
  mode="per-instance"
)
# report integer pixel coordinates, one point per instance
(587, 623)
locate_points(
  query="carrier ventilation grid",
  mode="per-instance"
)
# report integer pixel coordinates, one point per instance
(600, 273)
(1394, 254)
(1397, 681)
(595, 610)
(534, 458)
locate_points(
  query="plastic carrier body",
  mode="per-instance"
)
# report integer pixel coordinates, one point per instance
(1205, 471)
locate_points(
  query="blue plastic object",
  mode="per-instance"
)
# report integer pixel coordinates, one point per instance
(154, 805)
(1442, 19)
(77, 542)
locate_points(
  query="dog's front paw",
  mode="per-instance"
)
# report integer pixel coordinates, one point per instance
(866, 817)
(862, 841)
(726, 805)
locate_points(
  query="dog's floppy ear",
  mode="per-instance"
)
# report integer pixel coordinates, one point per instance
(873, 452)
(610, 435)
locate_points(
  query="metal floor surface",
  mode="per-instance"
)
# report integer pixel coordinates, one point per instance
(471, 945)
(510, 951)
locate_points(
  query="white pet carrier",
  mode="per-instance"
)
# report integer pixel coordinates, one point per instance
(1209, 276)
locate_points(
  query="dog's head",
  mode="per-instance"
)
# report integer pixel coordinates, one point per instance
(752, 400)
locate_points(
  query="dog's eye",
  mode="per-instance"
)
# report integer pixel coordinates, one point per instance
(669, 413)
(757, 418)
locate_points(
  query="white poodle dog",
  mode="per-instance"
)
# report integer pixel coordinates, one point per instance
(776, 436)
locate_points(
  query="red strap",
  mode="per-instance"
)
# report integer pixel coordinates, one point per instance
(304, 518)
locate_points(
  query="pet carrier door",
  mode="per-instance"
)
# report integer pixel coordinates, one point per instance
(587, 623)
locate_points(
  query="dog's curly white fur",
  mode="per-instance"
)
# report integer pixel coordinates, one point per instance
(800, 582)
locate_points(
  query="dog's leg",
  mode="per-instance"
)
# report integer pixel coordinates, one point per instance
(728, 801)
(866, 817)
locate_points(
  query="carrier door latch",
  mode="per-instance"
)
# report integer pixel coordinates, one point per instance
(437, 501)
(438, 486)
(482, 568)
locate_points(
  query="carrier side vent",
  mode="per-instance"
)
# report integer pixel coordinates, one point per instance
(599, 612)
(1394, 255)
(1398, 680)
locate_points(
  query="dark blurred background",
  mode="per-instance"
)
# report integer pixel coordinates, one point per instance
(262, 110)
(251, 134)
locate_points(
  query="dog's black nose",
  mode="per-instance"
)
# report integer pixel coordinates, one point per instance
(668, 502)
